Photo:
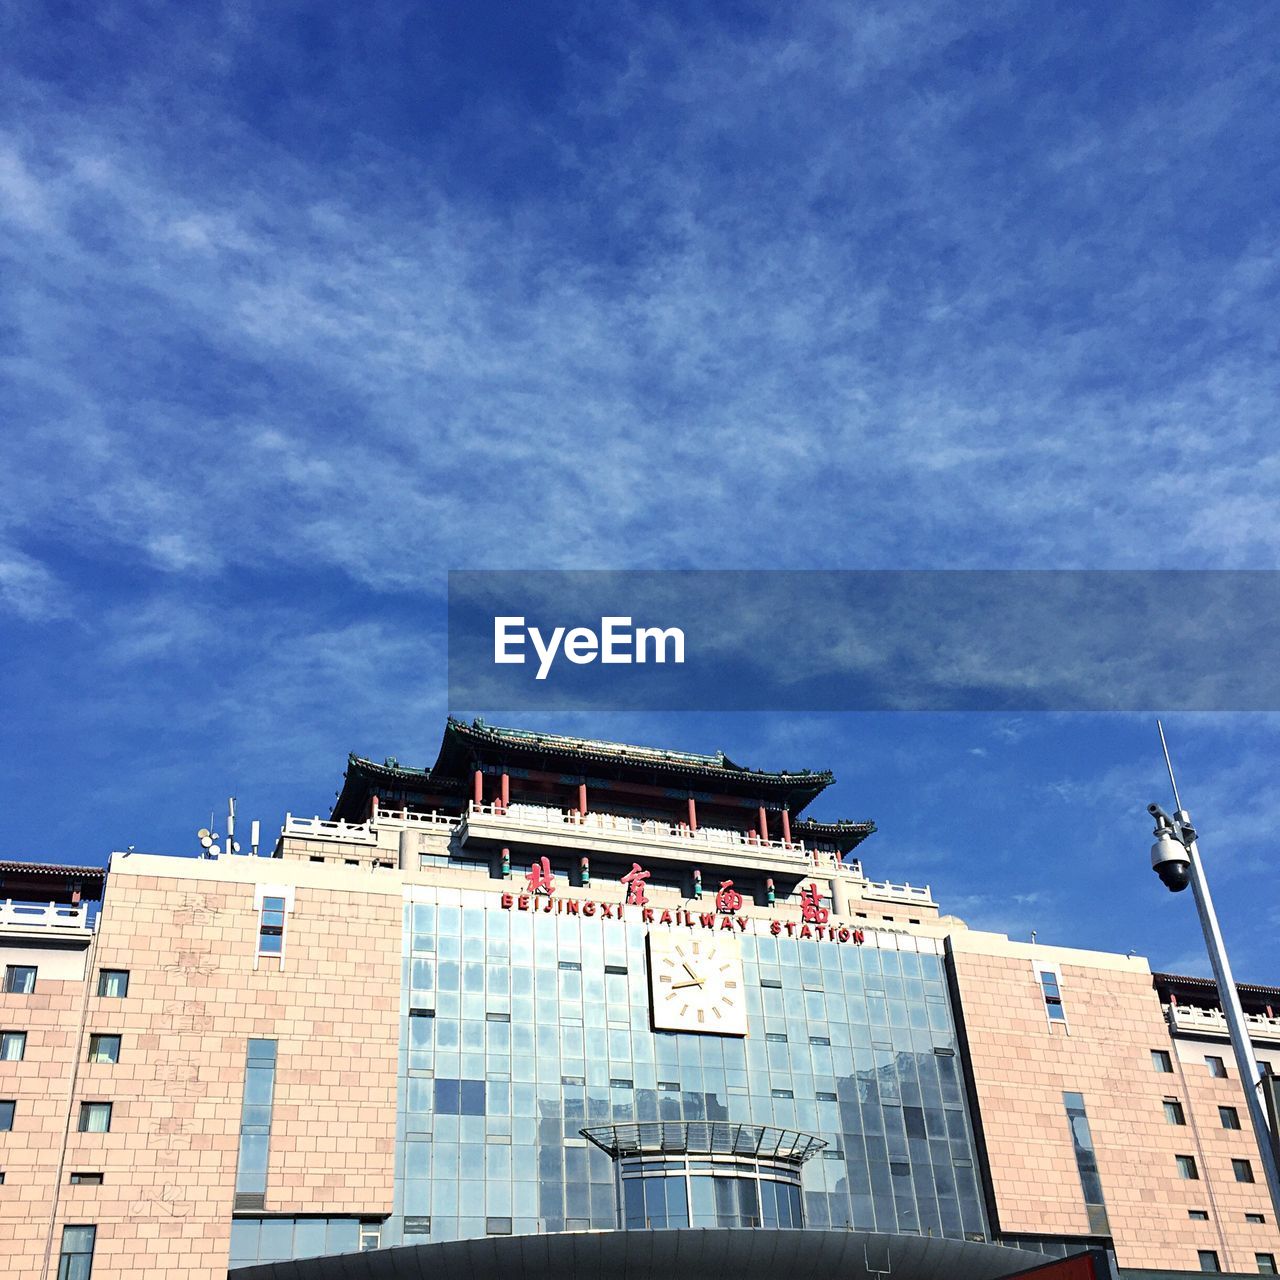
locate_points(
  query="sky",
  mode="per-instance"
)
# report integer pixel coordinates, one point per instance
(304, 305)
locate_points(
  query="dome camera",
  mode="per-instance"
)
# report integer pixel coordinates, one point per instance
(1169, 857)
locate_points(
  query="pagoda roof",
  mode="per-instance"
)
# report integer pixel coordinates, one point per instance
(1166, 982)
(843, 833)
(466, 746)
(49, 881)
(463, 743)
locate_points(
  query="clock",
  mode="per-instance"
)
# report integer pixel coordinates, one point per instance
(695, 984)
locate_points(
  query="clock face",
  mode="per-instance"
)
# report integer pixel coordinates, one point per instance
(695, 984)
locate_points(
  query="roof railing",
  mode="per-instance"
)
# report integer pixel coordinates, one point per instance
(52, 915)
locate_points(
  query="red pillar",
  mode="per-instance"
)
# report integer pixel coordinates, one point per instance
(693, 814)
(582, 798)
(506, 790)
(373, 808)
(477, 791)
(786, 826)
(764, 825)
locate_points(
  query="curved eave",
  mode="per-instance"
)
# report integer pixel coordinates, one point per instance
(463, 742)
(846, 836)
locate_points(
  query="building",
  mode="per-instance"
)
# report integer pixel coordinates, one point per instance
(563, 1006)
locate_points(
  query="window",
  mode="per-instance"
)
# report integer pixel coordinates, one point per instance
(370, 1236)
(1173, 1112)
(782, 1093)
(75, 1262)
(20, 979)
(1198, 1215)
(821, 1040)
(1217, 1067)
(1266, 1263)
(1230, 1117)
(271, 927)
(771, 982)
(1187, 1168)
(7, 1108)
(1052, 996)
(95, 1117)
(86, 1179)
(1243, 1170)
(104, 1048)
(1086, 1163)
(1161, 1061)
(1208, 1260)
(255, 1122)
(13, 1046)
(1256, 1218)
(459, 1097)
(826, 1097)
(776, 1037)
(113, 983)
(497, 1226)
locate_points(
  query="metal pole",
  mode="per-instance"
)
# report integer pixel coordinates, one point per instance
(1250, 1076)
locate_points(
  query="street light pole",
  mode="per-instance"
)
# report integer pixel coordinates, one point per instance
(1179, 829)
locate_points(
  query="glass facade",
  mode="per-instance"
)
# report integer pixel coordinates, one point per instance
(519, 1029)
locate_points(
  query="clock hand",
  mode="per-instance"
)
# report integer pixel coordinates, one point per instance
(690, 972)
(677, 986)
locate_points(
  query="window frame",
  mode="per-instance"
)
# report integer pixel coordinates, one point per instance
(1270, 1260)
(1188, 1169)
(1239, 1165)
(87, 1109)
(1209, 1254)
(7, 1118)
(1217, 1066)
(1174, 1112)
(11, 972)
(67, 1270)
(1162, 1062)
(13, 1036)
(104, 977)
(96, 1040)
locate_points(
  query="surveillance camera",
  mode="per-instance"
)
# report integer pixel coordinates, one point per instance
(1170, 860)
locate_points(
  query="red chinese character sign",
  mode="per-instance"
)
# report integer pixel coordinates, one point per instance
(811, 909)
(540, 878)
(634, 880)
(728, 898)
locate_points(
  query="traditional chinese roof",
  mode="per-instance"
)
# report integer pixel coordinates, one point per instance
(49, 881)
(466, 747)
(842, 833)
(1208, 988)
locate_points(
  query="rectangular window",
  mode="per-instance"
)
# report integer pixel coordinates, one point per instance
(776, 1037)
(255, 1120)
(1217, 1068)
(7, 1108)
(1052, 996)
(1173, 1112)
(826, 1097)
(104, 1048)
(459, 1097)
(1187, 1168)
(271, 927)
(370, 1236)
(1198, 1215)
(1257, 1218)
(1243, 1170)
(775, 983)
(782, 1093)
(1161, 1061)
(571, 966)
(95, 1117)
(1266, 1263)
(821, 1040)
(13, 1046)
(1086, 1163)
(113, 983)
(86, 1179)
(1230, 1117)
(497, 1226)
(75, 1262)
(1208, 1260)
(20, 979)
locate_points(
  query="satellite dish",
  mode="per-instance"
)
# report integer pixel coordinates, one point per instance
(233, 846)
(203, 833)
(215, 850)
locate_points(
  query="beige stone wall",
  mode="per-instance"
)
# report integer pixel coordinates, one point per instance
(40, 1085)
(1021, 1066)
(189, 941)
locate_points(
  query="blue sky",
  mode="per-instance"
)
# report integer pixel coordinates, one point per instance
(304, 305)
